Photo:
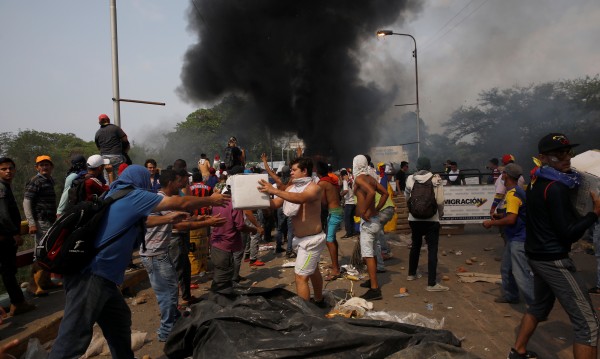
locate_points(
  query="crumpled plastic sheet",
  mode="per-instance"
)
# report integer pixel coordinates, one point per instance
(275, 323)
(406, 318)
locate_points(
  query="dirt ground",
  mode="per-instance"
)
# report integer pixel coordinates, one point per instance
(487, 329)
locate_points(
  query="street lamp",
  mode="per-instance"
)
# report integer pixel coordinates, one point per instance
(382, 33)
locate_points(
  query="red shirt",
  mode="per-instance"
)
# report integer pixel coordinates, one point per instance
(93, 186)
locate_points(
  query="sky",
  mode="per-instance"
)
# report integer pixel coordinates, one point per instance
(56, 71)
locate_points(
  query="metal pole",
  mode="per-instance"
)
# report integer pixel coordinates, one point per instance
(115, 63)
(389, 32)
(417, 89)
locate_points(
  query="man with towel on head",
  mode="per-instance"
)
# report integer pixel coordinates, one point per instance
(365, 187)
(302, 201)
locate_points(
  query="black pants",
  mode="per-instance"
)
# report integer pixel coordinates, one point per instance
(8, 267)
(223, 269)
(431, 231)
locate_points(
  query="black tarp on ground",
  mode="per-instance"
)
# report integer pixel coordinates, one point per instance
(278, 324)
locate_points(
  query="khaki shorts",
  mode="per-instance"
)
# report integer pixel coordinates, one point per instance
(309, 250)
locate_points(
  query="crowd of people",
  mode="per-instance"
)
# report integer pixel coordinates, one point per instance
(309, 203)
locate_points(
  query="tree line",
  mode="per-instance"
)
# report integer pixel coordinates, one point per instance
(504, 120)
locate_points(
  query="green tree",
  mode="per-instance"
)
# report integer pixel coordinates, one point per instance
(512, 120)
(207, 131)
(23, 147)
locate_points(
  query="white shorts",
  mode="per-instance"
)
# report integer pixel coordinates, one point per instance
(368, 236)
(309, 250)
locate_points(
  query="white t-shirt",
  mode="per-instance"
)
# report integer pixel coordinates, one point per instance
(349, 196)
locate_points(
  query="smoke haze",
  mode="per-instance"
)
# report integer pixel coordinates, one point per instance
(299, 63)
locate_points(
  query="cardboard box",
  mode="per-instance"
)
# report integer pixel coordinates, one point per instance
(588, 165)
(245, 194)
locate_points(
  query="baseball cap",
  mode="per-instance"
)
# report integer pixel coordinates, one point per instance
(95, 161)
(41, 158)
(103, 116)
(555, 141)
(75, 159)
(508, 158)
(513, 170)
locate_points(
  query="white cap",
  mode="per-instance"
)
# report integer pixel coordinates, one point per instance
(96, 161)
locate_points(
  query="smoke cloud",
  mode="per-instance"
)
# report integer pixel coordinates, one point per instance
(299, 64)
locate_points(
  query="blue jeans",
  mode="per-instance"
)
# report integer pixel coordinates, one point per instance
(349, 210)
(92, 299)
(163, 279)
(282, 218)
(516, 274)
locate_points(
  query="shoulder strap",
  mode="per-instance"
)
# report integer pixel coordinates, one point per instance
(546, 189)
(109, 200)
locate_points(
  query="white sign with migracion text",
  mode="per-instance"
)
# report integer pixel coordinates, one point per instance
(467, 204)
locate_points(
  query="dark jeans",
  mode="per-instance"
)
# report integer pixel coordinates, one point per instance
(223, 269)
(179, 248)
(431, 231)
(349, 210)
(8, 267)
(91, 299)
(284, 223)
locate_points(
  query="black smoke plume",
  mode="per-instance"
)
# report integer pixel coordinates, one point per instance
(297, 62)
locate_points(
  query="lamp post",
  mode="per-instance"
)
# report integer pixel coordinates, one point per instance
(382, 33)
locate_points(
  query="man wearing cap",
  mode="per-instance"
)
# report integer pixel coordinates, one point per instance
(39, 205)
(111, 141)
(95, 183)
(516, 274)
(78, 168)
(500, 188)
(553, 225)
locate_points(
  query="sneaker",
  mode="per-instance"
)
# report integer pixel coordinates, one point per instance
(503, 299)
(162, 339)
(366, 284)
(437, 288)
(194, 286)
(279, 250)
(372, 294)
(16, 309)
(515, 355)
(291, 254)
(257, 263)
(414, 277)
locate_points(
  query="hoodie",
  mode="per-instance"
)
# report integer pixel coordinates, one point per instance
(438, 189)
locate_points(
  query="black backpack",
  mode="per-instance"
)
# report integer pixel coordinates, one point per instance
(68, 246)
(422, 203)
(77, 193)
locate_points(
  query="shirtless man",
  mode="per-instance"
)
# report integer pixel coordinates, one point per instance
(365, 187)
(331, 201)
(302, 201)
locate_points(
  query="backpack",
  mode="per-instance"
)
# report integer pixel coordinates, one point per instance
(422, 203)
(68, 246)
(77, 193)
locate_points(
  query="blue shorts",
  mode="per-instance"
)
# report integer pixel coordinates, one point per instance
(334, 220)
